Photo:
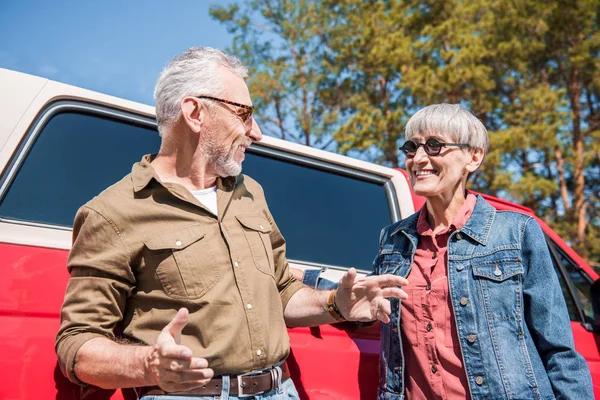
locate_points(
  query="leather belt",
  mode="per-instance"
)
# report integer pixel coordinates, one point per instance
(249, 384)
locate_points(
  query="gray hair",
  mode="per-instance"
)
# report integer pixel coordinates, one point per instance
(192, 73)
(452, 120)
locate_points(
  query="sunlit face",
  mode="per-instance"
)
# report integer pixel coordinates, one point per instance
(443, 174)
(227, 135)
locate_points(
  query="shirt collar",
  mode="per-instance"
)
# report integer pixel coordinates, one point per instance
(142, 174)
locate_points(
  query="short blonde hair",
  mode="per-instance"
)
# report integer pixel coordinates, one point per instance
(452, 120)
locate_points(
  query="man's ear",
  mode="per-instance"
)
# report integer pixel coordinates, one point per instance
(193, 113)
(477, 155)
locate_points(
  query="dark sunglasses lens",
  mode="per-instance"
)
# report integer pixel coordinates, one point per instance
(433, 147)
(409, 148)
(246, 116)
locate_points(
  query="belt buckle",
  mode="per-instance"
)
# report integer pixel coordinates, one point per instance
(241, 385)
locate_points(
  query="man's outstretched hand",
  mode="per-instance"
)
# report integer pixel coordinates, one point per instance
(365, 299)
(172, 366)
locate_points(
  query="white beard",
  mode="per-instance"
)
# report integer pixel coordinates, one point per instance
(222, 159)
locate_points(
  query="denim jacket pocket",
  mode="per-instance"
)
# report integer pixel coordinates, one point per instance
(184, 263)
(500, 287)
(257, 229)
(391, 261)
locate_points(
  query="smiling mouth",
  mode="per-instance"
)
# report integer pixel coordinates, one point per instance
(424, 173)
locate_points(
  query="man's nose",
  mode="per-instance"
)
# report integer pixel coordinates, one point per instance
(255, 133)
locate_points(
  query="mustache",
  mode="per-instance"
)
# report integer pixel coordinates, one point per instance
(244, 142)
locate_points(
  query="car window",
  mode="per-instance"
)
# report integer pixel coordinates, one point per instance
(74, 157)
(581, 283)
(327, 215)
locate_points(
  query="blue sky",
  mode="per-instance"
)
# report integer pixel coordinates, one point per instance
(113, 47)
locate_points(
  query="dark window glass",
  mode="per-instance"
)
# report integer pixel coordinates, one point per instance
(74, 158)
(571, 306)
(325, 217)
(580, 281)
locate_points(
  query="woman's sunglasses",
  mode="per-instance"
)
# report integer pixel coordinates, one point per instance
(432, 147)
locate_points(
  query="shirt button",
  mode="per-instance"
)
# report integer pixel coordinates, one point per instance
(464, 301)
(458, 236)
(471, 338)
(479, 380)
(249, 306)
(258, 352)
(460, 267)
(236, 264)
(434, 368)
(428, 287)
(178, 243)
(429, 327)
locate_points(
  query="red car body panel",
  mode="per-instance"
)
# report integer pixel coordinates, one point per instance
(322, 359)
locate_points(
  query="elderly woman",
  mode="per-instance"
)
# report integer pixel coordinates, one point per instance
(485, 317)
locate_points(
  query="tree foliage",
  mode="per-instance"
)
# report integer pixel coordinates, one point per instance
(347, 74)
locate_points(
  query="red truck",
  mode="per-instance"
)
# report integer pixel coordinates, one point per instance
(52, 137)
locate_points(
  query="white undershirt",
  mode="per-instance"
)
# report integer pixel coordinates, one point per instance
(208, 198)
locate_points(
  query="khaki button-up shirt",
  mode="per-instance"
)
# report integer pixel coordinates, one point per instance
(143, 248)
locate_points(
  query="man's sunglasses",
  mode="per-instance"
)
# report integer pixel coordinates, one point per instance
(245, 114)
(432, 147)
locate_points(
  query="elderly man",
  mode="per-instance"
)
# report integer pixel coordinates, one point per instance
(179, 280)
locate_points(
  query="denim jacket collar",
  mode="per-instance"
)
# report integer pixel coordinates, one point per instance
(477, 227)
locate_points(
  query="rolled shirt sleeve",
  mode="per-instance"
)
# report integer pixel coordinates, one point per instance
(101, 277)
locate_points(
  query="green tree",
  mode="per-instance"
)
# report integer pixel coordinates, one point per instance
(354, 71)
(280, 41)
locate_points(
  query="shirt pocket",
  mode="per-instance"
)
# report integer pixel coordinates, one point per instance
(185, 265)
(500, 286)
(257, 230)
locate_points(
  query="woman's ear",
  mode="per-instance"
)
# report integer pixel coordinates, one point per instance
(477, 155)
(193, 112)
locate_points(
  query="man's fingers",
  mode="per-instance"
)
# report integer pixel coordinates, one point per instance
(385, 306)
(388, 280)
(188, 376)
(178, 364)
(177, 324)
(198, 363)
(384, 310)
(394, 291)
(175, 351)
(348, 279)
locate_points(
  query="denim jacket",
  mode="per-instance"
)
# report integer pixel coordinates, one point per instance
(510, 313)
